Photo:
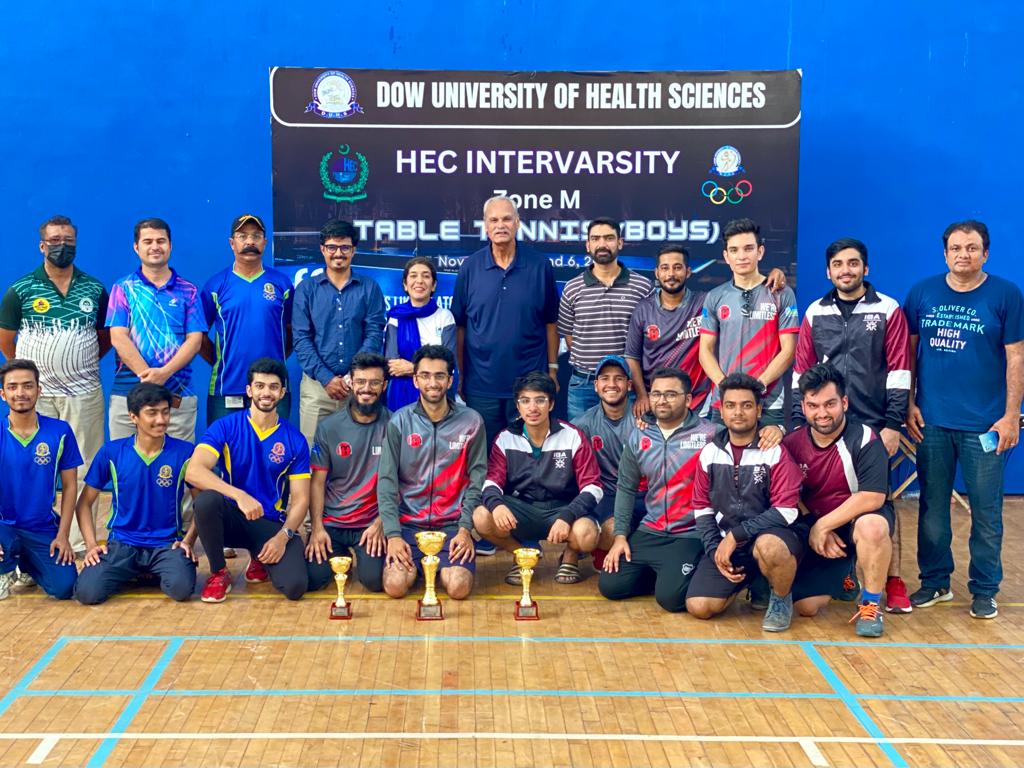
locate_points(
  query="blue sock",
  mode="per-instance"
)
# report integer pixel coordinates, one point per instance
(870, 597)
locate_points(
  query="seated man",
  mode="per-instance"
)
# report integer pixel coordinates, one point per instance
(607, 426)
(34, 451)
(432, 466)
(845, 490)
(662, 552)
(746, 508)
(542, 482)
(343, 493)
(147, 497)
(261, 496)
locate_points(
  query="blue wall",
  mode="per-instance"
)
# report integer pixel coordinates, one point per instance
(113, 111)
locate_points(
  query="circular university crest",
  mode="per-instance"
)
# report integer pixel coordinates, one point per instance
(334, 95)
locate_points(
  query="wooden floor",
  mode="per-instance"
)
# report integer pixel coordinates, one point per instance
(260, 681)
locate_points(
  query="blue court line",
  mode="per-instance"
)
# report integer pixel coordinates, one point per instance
(847, 697)
(568, 640)
(953, 698)
(29, 677)
(102, 752)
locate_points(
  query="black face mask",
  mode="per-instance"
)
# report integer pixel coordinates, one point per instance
(61, 255)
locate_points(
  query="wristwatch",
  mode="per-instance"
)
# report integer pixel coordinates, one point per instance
(289, 531)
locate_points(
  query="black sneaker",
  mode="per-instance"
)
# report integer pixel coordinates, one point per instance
(984, 607)
(926, 597)
(759, 593)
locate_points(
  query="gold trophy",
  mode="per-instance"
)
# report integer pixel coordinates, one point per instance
(429, 543)
(526, 608)
(339, 608)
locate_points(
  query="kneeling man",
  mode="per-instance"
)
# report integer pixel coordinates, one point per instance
(746, 502)
(845, 490)
(145, 537)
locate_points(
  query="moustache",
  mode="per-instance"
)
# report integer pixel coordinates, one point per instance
(251, 249)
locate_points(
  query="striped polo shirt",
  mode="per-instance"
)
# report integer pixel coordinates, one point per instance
(58, 332)
(597, 315)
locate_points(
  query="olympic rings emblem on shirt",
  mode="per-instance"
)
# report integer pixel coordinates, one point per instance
(719, 195)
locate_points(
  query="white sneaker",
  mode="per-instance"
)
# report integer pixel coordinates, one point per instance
(6, 579)
(23, 580)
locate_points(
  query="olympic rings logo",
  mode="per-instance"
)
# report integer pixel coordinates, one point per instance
(734, 195)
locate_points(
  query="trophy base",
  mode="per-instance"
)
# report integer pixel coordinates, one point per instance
(341, 613)
(428, 612)
(527, 612)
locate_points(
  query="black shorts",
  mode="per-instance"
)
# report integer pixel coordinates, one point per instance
(534, 519)
(409, 535)
(818, 576)
(708, 581)
(605, 510)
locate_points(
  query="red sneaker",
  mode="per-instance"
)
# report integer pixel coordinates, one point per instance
(599, 555)
(217, 587)
(256, 573)
(896, 599)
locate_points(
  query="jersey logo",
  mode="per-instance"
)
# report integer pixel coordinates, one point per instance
(164, 476)
(803, 470)
(269, 293)
(560, 457)
(597, 442)
(344, 450)
(645, 443)
(277, 453)
(86, 305)
(414, 440)
(760, 474)
(42, 454)
(653, 332)
(173, 302)
(687, 569)
(871, 323)
(724, 312)
(41, 305)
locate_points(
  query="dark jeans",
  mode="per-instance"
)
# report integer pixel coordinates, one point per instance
(123, 563)
(581, 396)
(221, 524)
(497, 413)
(30, 551)
(937, 458)
(369, 569)
(216, 408)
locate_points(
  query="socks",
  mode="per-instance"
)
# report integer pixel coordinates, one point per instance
(870, 597)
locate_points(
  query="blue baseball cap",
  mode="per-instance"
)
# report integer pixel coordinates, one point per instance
(612, 360)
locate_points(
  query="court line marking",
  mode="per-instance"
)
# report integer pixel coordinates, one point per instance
(40, 753)
(100, 756)
(31, 674)
(813, 753)
(847, 697)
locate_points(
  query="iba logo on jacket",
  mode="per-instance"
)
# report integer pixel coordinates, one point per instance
(414, 440)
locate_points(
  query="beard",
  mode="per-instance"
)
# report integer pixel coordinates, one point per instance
(367, 409)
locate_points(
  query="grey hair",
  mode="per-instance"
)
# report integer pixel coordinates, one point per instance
(495, 199)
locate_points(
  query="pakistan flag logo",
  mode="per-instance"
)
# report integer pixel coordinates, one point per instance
(344, 176)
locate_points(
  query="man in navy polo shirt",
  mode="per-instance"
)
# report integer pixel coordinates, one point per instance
(337, 314)
(506, 309)
(147, 477)
(34, 451)
(264, 494)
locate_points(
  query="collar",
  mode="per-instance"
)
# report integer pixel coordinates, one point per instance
(490, 263)
(690, 420)
(39, 273)
(620, 279)
(870, 295)
(682, 300)
(518, 426)
(353, 277)
(418, 408)
(722, 439)
(840, 436)
(165, 287)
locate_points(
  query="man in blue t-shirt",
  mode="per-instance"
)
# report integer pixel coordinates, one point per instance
(147, 478)
(967, 327)
(249, 310)
(259, 494)
(34, 451)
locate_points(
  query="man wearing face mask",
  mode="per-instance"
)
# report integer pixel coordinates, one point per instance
(249, 310)
(54, 316)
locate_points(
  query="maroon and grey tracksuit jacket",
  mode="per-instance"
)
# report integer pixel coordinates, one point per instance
(871, 349)
(565, 471)
(762, 491)
(668, 465)
(431, 473)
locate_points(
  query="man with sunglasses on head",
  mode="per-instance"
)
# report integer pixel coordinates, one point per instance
(745, 327)
(55, 316)
(338, 313)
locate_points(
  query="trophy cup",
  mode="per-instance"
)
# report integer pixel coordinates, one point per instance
(339, 608)
(429, 543)
(526, 608)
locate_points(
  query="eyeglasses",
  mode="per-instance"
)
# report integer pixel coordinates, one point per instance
(371, 383)
(344, 250)
(60, 241)
(424, 376)
(666, 396)
(254, 237)
(748, 302)
(525, 402)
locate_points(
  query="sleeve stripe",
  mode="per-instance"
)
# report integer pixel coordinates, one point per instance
(211, 449)
(897, 380)
(299, 476)
(788, 513)
(594, 490)
(703, 512)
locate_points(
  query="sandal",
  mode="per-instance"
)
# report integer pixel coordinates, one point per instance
(514, 577)
(567, 573)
